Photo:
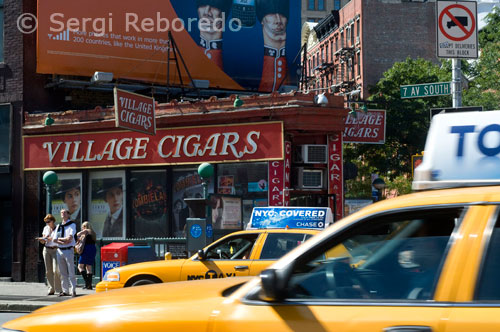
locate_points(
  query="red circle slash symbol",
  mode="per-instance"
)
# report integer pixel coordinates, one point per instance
(457, 22)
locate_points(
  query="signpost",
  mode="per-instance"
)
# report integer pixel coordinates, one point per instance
(425, 90)
(457, 29)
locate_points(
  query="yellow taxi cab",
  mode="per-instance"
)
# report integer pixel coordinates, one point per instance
(428, 261)
(238, 254)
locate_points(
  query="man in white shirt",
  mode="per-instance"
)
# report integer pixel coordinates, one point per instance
(65, 238)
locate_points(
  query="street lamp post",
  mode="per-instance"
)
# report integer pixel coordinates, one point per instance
(49, 178)
(379, 184)
(205, 171)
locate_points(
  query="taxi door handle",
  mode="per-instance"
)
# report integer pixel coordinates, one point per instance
(408, 329)
(241, 267)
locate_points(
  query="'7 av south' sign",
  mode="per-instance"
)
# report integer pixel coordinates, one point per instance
(425, 90)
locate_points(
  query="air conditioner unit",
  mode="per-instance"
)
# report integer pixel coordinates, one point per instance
(308, 178)
(311, 154)
(357, 40)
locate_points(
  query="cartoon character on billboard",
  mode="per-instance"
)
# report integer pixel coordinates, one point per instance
(273, 15)
(212, 14)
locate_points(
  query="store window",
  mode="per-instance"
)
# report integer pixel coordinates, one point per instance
(321, 4)
(5, 132)
(247, 181)
(1, 31)
(148, 203)
(107, 210)
(311, 5)
(186, 184)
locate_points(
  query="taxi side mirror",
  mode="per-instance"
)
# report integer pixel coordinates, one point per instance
(168, 256)
(271, 286)
(201, 255)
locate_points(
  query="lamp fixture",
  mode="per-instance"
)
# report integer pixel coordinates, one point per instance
(101, 77)
(48, 120)
(238, 102)
(321, 99)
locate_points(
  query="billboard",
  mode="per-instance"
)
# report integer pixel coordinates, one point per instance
(229, 44)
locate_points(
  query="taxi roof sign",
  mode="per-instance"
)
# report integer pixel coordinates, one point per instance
(291, 217)
(462, 149)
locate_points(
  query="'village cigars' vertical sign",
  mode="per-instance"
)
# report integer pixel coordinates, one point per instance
(135, 112)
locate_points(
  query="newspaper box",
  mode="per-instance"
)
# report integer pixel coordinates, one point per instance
(114, 255)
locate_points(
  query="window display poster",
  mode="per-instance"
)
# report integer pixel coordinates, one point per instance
(107, 209)
(186, 184)
(66, 194)
(149, 204)
(225, 184)
(226, 212)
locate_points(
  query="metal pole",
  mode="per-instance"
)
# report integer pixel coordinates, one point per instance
(49, 199)
(456, 84)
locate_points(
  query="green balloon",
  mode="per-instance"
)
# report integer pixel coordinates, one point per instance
(49, 178)
(206, 170)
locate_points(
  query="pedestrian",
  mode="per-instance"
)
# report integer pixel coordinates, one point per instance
(87, 258)
(50, 255)
(65, 237)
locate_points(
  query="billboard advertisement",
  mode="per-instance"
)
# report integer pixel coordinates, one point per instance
(229, 44)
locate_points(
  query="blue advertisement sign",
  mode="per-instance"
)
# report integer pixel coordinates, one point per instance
(254, 42)
(109, 266)
(291, 217)
(196, 231)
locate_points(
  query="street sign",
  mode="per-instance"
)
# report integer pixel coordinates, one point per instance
(435, 111)
(457, 29)
(425, 90)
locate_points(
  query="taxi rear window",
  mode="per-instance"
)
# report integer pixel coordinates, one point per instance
(278, 244)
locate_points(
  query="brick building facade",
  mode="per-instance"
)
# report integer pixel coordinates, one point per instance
(349, 50)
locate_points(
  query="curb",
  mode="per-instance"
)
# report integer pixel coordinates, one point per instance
(21, 307)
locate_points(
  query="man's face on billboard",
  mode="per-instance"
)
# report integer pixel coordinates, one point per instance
(210, 13)
(72, 200)
(114, 198)
(274, 26)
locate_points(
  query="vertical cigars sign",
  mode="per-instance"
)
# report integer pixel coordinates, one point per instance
(335, 175)
(135, 112)
(279, 179)
(288, 166)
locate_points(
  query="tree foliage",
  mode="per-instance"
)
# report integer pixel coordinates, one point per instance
(484, 88)
(407, 119)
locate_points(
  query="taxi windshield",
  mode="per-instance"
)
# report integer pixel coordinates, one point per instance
(385, 258)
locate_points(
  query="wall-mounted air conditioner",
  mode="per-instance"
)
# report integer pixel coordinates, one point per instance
(311, 154)
(304, 178)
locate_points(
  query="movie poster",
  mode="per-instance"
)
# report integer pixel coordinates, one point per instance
(148, 204)
(67, 194)
(107, 211)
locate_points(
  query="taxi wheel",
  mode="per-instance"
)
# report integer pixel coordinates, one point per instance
(144, 281)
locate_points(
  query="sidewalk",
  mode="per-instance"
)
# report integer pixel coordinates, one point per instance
(29, 296)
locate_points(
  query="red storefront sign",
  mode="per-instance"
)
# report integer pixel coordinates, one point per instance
(366, 128)
(276, 171)
(288, 168)
(135, 112)
(335, 175)
(188, 145)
